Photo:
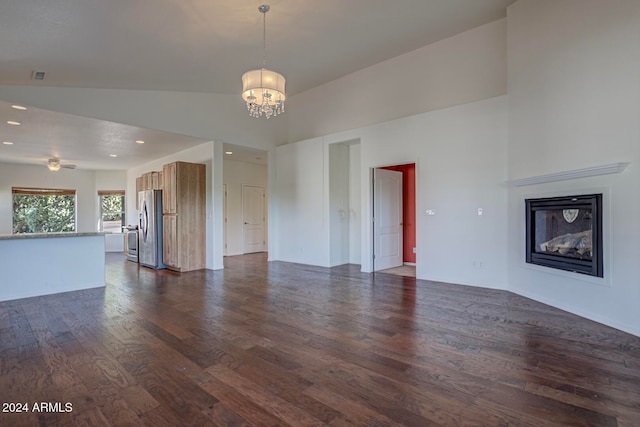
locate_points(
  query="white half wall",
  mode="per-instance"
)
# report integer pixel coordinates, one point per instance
(574, 102)
(49, 265)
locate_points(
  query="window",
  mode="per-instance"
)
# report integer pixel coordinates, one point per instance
(111, 211)
(43, 210)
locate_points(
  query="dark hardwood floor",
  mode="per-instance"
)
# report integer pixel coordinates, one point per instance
(284, 344)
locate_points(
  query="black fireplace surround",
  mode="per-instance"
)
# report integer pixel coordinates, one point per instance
(565, 233)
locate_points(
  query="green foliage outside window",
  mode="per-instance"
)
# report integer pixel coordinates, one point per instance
(112, 212)
(36, 213)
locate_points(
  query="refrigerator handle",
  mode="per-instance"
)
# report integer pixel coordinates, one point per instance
(144, 221)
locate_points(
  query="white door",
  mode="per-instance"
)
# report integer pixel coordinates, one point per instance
(253, 219)
(387, 221)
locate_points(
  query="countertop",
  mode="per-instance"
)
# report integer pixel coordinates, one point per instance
(46, 235)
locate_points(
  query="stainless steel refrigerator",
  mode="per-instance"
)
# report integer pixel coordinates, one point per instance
(150, 232)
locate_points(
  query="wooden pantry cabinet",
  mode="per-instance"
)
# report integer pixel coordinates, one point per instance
(184, 216)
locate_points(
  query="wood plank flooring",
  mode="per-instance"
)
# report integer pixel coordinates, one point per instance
(278, 344)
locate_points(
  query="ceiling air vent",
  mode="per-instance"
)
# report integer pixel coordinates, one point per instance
(37, 75)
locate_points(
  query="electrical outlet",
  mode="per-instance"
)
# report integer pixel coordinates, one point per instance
(430, 212)
(480, 212)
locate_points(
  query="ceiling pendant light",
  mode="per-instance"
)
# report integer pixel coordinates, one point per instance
(263, 89)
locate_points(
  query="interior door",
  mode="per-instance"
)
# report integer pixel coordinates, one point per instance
(253, 219)
(387, 222)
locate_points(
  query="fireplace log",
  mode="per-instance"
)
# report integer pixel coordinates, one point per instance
(581, 242)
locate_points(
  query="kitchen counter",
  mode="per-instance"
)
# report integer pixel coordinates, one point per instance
(42, 264)
(45, 235)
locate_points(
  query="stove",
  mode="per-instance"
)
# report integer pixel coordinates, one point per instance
(132, 242)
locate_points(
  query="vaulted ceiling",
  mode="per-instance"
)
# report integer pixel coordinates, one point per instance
(206, 45)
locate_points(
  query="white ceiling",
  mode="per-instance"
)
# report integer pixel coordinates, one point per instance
(197, 45)
(85, 142)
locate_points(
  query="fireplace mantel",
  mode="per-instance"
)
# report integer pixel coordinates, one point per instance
(572, 174)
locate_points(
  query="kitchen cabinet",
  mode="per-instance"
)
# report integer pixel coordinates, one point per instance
(170, 242)
(156, 180)
(170, 179)
(184, 211)
(148, 181)
(152, 180)
(139, 188)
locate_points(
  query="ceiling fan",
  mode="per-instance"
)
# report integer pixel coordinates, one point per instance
(54, 165)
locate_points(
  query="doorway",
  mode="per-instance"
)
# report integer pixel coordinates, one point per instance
(394, 222)
(226, 220)
(245, 171)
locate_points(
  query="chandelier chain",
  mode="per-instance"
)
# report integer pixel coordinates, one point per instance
(264, 39)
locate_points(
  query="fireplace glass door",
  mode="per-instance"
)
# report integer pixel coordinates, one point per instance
(566, 233)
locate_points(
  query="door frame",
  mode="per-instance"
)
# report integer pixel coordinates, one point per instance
(372, 207)
(225, 223)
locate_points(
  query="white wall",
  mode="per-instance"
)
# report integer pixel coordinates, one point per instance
(574, 102)
(211, 154)
(84, 182)
(236, 174)
(299, 200)
(460, 154)
(355, 225)
(461, 157)
(338, 204)
(111, 180)
(464, 68)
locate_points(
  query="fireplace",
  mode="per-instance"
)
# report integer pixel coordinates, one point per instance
(565, 233)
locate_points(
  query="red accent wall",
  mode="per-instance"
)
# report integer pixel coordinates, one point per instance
(408, 208)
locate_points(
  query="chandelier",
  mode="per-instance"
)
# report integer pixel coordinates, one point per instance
(263, 89)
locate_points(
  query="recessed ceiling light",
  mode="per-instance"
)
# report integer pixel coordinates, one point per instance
(7, 143)
(18, 107)
(11, 122)
(228, 152)
(139, 141)
(113, 155)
